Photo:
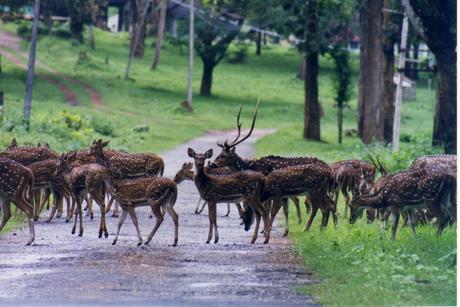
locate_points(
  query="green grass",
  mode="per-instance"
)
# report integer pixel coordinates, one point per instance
(355, 264)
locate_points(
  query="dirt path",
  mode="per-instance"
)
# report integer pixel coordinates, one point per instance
(65, 269)
(12, 42)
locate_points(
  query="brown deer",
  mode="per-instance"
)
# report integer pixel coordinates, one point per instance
(186, 173)
(353, 176)
(82, 180)
(16, 182)
(235, 187)
(45, 179)
(265, 165)
(157, 192)
(29, 154)
(313, 180)
(407, 190)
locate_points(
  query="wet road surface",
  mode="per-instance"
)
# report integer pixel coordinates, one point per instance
(64, 269)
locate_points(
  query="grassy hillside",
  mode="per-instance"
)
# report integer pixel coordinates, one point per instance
(357, 265)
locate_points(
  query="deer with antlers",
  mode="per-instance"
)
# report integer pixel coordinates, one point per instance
(16, 182)
(264, 165)
(407, 190)
(242, 186)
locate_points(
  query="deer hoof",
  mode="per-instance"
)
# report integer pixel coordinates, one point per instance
(207, 242)
(114, 242)
(139, 243)
(216, 240)
(73, 231)
(106, 234)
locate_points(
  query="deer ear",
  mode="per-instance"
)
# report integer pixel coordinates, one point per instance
(104, 144)
(208, 154)
(232, 150)
(191, 153)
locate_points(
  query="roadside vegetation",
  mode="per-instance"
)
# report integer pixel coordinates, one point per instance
(355, 264)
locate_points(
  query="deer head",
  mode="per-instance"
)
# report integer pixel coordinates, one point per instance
(185, 173)
(361, 202)
(64, 162)
(12, 145)
(228, 156)
(199, 158)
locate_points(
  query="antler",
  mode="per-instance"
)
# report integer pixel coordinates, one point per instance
(378, 165)
(236, 141)
(238, 124)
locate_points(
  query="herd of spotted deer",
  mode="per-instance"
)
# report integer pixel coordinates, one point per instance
(425, 192)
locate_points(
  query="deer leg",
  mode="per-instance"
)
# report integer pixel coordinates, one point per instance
(211, 205)
(286, 216)
(228, 211)
(198, 206)
(411, 217)
(159, 217)
(347, 199)
(133, 216)
(89, 206)
(36, 203)
(240, 209)
(325, 217)
(256, 228)
(76, 216)
(395, 216)
(296, 202)
(307, 203)
(115, 209)
(71, 212)
(57, 202)
(214, 218)
(202, 208)
(45, 199)
(175, 219)
(276, 205)
(31, 231)
(6, 212)
(123, 215)
(109, 205)
(314, 210)
(99, 198)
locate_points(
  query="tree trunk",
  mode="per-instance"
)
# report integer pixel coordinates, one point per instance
(445, 125)
(160, 33)
(370, 106)
(312, 110)
(140, 49)
(414, 66)
(31, 65)
(258, 43)
(388, 73)
(76, 29)
(340, 119)
(311, 128)
(206, 79)
(91, 42)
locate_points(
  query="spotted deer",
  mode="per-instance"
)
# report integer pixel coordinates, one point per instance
(157, 192)
(82, 180)
(16, 182)
(186, 173)
(46, 179)
(241, 186)
(408, 190)
(29, 154)
(264, 165)
(353, 176)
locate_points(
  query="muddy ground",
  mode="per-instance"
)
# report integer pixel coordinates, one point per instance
(64, 269)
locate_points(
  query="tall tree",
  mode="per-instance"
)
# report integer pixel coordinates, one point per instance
(217, 27)
(160, 33)
(370, 106)
(391, 34)
(138, 26)
(311, 50)
(81, 12)
(436, 22)
(31, 66)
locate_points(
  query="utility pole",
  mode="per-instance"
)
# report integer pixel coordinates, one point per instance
(399, 88)
(31, 65)
(188, 102)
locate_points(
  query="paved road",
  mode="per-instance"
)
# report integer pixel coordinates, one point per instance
(63, 269)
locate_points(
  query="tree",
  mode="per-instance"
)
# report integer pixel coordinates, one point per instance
(265, 14)
(31, 65)
(81, 12)
(160, 33)
(435, 21)
(391, 34)
(370, 106)
(217, 27)
(138, 26)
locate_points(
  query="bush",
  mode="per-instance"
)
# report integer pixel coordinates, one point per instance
(103, 127)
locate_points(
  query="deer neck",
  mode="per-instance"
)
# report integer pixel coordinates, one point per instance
(241, 164)
(374, 201)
